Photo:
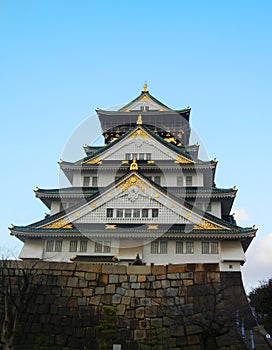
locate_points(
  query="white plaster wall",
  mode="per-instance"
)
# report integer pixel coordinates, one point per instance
(32, 249)
(55, 207)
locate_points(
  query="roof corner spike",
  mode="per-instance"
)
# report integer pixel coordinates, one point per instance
(134, 165)
(145, 87)
(139, 120)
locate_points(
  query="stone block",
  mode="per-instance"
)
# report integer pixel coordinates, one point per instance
(82, 283)
(123, 278)
(133, 278)
(151, 278)
(110, 289)
(116, 298)
(158, 270)
(82, 301)
(176, 283)
(95, 300)
(140, 293)
(133, 324)
(156, 284)
(156, 322)
(114, 269)
(193, 329)
(87, 267)
(135, 285)
(150, 293)
(171, 292)
(135, 302)
(120, 290)
(160, 293)
(113, 278)
(176, 268)
(139, 334)
(129, 313)
(125, 300)
(192, 339)
(200, 277)
(173, 276)
(145, 301)
(90, 276)
(144, 324)
(188, 282)
(177, 331)
(79, 274)
(72, 282)
(130, 293)
(140, 312)
(106, 299)
(138, 270)
(151, 311)
(161, 277)
(103, 279)
(99, 290)
(213, 277)
(141, 278)
(120, 309)
(165, 284)
(186, 275)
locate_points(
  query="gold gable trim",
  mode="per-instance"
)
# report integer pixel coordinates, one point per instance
(206, 225)
(140, 133)
(59, 224)
(183, 160)
(132, 181)
(96, 160)
(144, 98)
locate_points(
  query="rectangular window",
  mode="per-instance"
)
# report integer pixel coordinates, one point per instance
(109, 213)
(49, 245)
(180, 180)
(148, 156)
(73, 246)
(189, 247)
(163, 247)
(107, 247)
(94, 181)
(159, 247)
(155, 247)
(134, 155)
(155, 213)
(141, 156)
(214, 247)
(179, 247)
(157, 179)
(205, 247)
(119, 213)
(58, 245)
(144, 213)
(98, 247)
(128, 156)
(83, 246)
(136, 213)
(189, 180)
(86, 181)
(128, 213)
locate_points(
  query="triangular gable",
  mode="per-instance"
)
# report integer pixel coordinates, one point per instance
(134, 191)
(145, 100)
(139, 140)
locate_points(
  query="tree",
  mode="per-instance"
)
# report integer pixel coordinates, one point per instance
(107, 328)
(260, 299)
(16, 291)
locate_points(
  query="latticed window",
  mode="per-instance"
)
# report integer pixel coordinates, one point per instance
(128, 213)
(94, 181)
(83, 246)
(189, 247)
(159, 247)
(109, 213)
(179, 180)
(58, 245)
(155, 213)
(86, 181)
(136, 213)
(145, 213)
(107, 247)
(209, 247)
(184, 247)
(102, 247)
(73, 246)
(214, 247)
(98, 247)
(179, 247)
(189, 180)
(49, 245)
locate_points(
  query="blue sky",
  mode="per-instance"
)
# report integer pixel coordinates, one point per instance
(62, 59)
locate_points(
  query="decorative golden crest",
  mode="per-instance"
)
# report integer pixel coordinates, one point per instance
(152, 227)
(170, 139)
(206, 225)
(110, 227)
(144, 98)
(139, 132)
(134, 165)
(182, 160)
(132, 181)
(145, 87)
(150, 162)
(59, 224)
(96, 160)
(139, 120)
(156, 195)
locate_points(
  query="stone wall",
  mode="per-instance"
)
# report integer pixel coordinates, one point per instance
(79, 305)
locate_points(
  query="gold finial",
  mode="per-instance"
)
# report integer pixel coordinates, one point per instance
(139, 120)
(36, 189)
(145, 87)
(234, 188)
(134, 165)
(11, 226)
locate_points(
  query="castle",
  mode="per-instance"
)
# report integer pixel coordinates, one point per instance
(144, 193)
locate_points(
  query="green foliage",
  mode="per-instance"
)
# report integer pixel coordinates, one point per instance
(155, 338)
(261, 301)
(107, 328)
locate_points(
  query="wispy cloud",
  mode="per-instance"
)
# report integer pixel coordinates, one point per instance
(240, 214)
(258, 266)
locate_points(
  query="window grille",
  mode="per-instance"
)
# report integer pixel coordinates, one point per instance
(49, 245)
(73, 246)
(86, 181)
(83, 246)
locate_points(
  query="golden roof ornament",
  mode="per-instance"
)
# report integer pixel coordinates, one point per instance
(145, 87)
(134, 165)
(139, 120)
